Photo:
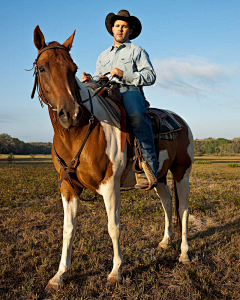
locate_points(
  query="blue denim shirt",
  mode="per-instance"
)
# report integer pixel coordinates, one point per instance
(131, 59)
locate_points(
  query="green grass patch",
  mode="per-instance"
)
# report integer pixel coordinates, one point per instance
(233, 165)
(202, 162)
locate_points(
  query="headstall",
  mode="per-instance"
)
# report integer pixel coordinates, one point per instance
(37, 85)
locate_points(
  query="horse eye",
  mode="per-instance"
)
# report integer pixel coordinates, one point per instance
(41, 69)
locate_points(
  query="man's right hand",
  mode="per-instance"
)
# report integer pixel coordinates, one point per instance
(86, 78)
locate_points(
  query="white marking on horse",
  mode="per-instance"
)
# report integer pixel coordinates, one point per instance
(183, 194)
(163, 155)
(110, 189)
(70, 217)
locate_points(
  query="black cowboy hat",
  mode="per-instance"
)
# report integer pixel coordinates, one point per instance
(124, 15)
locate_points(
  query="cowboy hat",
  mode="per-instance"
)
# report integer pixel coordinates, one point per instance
(124, 15)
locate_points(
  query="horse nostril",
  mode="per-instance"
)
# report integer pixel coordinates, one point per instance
(63, 115)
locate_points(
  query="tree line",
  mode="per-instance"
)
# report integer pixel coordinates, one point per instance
(217, 146)
(213, 146)
(12, 145)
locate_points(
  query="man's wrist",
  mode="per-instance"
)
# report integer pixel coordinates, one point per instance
(128, 77)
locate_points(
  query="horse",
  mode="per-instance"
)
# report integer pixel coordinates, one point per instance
(79, 120)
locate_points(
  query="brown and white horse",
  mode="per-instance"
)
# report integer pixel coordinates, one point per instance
(101, 163)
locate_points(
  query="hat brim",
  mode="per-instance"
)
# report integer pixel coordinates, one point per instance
(134, 23)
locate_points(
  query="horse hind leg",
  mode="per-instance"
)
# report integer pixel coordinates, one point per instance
(166, 199)
(70, 207)
(182, 190)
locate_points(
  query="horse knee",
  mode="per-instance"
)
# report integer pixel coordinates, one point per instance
(114, 231)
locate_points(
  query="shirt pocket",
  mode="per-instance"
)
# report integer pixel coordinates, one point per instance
(105, 62)
(126, 63)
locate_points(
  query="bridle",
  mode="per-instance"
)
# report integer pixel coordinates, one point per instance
(37, 84)
(43, 98)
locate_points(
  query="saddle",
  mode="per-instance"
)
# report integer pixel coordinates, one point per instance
(164, 125)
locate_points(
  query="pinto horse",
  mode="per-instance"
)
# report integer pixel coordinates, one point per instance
(101, 163)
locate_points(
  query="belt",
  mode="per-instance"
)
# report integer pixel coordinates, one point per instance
(116, 85)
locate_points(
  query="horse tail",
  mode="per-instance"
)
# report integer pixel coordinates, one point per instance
(178, 222)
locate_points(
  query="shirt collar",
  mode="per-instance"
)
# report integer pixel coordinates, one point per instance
(127, 44)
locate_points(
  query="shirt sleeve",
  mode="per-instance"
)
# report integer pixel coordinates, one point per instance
(144, 74)
(98, 71)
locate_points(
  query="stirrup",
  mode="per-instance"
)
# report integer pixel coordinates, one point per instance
(152, 180)
(148, 182)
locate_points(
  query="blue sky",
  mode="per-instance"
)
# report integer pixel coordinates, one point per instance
(194, 47)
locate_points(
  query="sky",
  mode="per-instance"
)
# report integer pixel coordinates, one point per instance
(194, 47)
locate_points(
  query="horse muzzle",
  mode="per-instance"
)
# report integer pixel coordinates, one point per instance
(69, 117)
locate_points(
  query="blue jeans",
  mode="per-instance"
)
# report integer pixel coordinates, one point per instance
(134, 103)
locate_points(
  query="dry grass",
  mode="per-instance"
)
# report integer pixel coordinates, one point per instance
(31, 239)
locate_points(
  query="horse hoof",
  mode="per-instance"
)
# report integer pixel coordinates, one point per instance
(50, 288)
(162, 246)
(113, 279)
(184, 260)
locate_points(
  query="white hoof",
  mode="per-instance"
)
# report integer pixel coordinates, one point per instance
(113, 279)
(184, 259)
(52, 287)
(162, 245)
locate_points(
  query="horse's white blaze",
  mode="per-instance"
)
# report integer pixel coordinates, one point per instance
(163, 155)
(70, 93)
(70, 218)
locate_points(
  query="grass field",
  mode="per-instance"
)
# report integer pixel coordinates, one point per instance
(31, 238)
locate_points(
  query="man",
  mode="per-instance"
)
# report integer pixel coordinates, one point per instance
(131, 66)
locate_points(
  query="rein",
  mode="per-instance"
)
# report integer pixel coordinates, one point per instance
(42, 98)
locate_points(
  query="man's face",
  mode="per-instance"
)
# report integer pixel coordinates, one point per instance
(121, 32)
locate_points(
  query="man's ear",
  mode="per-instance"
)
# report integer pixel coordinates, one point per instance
(130, 31)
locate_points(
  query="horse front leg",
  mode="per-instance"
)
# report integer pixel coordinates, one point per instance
(70, 206)
(111, 195)
(166, 199)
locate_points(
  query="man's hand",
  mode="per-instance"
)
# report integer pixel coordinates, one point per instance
(86, 78)
(116, 72)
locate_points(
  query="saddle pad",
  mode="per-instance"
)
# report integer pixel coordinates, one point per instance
(109, 106)
(168, 124)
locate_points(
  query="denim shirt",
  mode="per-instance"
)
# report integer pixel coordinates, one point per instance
(131, 59)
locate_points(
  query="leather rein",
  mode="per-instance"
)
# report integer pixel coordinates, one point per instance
(42, 98)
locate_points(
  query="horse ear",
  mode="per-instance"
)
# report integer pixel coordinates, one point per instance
(69, 41)
(39, 39)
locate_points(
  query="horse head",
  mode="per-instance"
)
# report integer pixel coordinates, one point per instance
(55, 77)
